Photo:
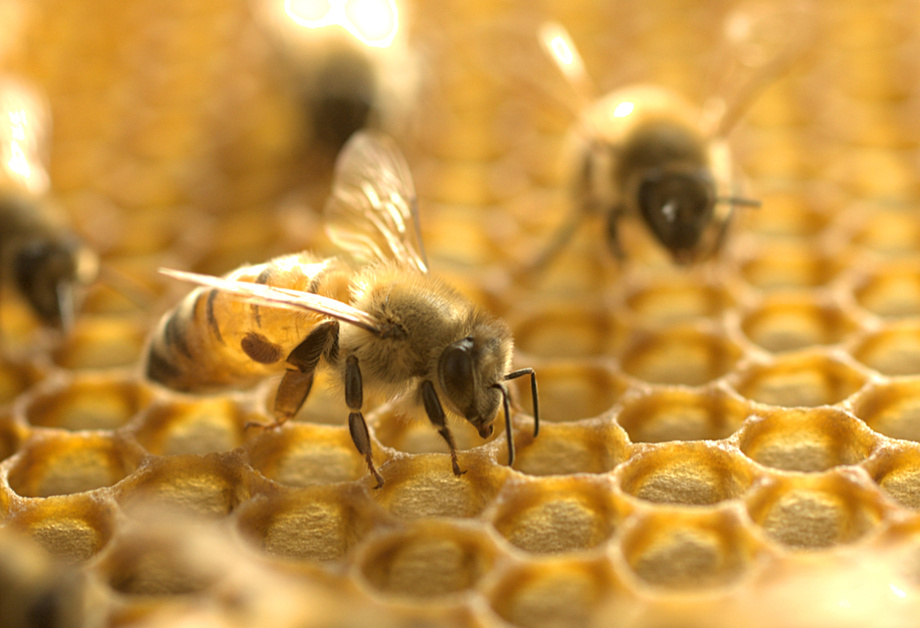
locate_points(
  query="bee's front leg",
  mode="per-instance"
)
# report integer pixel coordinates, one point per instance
(357, 426)
(436, 415)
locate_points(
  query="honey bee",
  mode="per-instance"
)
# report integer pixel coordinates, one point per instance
(645, 152)
(384, 325)
(349, 63)
(39, 254)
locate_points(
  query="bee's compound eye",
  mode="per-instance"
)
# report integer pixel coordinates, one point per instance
(455, 370)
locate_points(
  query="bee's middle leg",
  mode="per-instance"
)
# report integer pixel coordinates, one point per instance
(357, 426)
(301, 365)
(436, 415)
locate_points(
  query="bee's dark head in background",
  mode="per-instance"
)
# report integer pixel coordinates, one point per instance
(340, 100)
(677, 206)
(49, 272)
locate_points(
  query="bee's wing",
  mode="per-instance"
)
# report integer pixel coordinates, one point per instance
(559, 46)
(25, 121)
(372, 212)
(761, 40)
(269, 296)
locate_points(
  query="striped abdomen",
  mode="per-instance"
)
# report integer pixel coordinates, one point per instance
(213, 340)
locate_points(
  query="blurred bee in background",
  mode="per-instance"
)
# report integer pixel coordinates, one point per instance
(349, 60)
(645, 152)
(39, 254)
(406, 334)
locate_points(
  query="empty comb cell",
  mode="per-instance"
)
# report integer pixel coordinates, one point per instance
(427, 560)
(73, 528)
(801, 379)
(892, 409)
(557, 515)
(314, 524)
(303, 454)
(571, 390)
(194, 426)
(64, 464)
(893, 350)
(88, 402)
(681, 414)
(691, 473)
(425, 486)
(568, 448)
(788, 324)
(816, 511)
(806, 439)
(678, 549)
(679, 356)
(890, 291)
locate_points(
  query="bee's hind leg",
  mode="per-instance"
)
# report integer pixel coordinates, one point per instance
(357, 426)
(436, 415)
(301, 365)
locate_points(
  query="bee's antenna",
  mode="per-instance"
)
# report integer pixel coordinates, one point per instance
(738, 200)
(508, 432)
(533, 392)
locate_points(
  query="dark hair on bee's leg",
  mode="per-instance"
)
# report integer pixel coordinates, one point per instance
(437, 417)
(357, 426)
(508, 431)
(533, 392)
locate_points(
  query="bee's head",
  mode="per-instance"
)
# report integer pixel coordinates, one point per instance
(46, 272)
(470, 368)
(677, 206)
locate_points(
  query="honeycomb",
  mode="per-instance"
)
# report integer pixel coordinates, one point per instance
(733, 442)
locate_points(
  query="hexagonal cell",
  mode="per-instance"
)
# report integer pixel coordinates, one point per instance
(98, 342)
(892, 291)
(570, 391)
(816, 511)
(566, 330)
(415, 434)
(683, 356)
(72, 528)
(555, 515)
(814, 439)
(427, 560)
(892, 409)
(12, 434)
(897, 472)
(692, 473)
(893, 350)
(667, 300)
(210, 486)
(668, 415)
(87, 402)
(172, 557)
(555, 592)
(888, 231)
(63, 463)
(679, 549)
(314, 524)
(788, 266)
(193, 426)
(302, 454)
(567, 448)
(808, 379)
(795, 322)
(425, 486)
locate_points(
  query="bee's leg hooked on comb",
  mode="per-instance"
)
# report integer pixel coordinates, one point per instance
(436, 415)
(357, 426)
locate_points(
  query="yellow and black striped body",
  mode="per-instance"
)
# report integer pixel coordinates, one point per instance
(199, 345)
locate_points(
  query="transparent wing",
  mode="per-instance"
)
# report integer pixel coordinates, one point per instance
(25, 122)
(761, 40)
(372, 212)
(558, 45)
(283, 298)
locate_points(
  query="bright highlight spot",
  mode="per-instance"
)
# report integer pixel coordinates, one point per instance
(901, 593)
(561, 50)
(372, 22)
(623, 109)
